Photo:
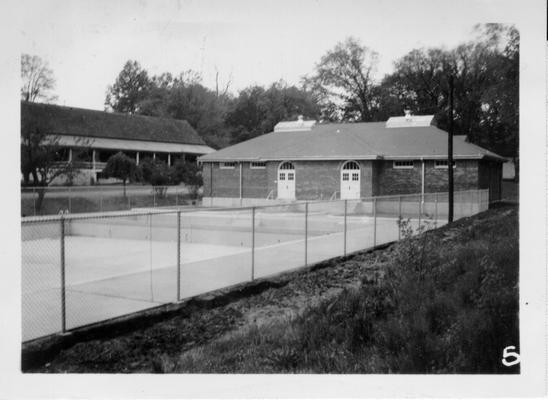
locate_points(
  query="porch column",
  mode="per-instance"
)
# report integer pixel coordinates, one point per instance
(169, 159)
(137, 158)
(93, 159)
(154, 156)
(70, 154)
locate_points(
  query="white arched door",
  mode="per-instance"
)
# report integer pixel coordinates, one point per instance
(350, 180)
(286, 181)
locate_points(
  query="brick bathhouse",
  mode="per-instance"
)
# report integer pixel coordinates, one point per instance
(88, 138)
(304, 160)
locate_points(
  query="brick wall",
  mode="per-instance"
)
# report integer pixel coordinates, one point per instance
(314, 180)
(320, 179)
(256, 182)
(389, 180)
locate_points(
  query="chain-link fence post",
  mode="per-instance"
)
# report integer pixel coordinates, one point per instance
(34, 201)
(153, 197)
(178, 255)
(176, 196)
(100, 198)
(150, 250)
(252, 243)
(306, 234)
(436, 211)
(399, 217)
(69, 199)
(63, 291)
(345, 215)
(374, 222)
(420, 214)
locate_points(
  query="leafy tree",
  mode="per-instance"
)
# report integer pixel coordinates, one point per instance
(189, 173)
(257, 110)
(37, 80)
(486, 76)
(156, 173)
(41, 156)
(130, 88)
(122, 167)
(343, 81)
(184, 97)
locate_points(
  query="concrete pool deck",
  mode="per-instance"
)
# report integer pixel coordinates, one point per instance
(108, 277)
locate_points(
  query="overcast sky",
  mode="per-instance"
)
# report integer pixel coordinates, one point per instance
(256, 42)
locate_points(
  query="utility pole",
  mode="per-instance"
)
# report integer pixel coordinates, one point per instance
(450, 151)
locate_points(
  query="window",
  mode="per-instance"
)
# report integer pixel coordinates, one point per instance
(258, 165)
(351, 165)
(228, 165)
(282, 176)
(287, 165)
(345, 176)
(444, 164)
(403, 164)
(290, 176)
(355, 176)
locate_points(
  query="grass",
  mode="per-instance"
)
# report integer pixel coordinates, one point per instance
(445, 304)
(510, 191)
(442, 302)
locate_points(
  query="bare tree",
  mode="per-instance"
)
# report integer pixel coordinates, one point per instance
(224, 93)
(37, 80)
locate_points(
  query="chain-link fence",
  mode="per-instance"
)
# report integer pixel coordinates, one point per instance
(85, 199)
(83, 269)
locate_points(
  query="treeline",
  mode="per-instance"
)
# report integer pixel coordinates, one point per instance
(342, 88)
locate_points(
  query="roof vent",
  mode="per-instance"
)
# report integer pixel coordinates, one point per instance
(294, 126)
(410, 121)
(408, 116)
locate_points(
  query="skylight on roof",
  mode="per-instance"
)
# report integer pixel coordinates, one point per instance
(410, 121)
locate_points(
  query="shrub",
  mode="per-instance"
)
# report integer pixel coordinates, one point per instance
(158, 174)
(188, 173)
(122, 167)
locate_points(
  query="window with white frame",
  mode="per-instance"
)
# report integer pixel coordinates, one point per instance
(258, 165)
(287, 165)
(403, 164)
(444, 164)
(228, 165)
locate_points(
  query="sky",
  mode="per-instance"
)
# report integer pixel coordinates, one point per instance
(86, 43)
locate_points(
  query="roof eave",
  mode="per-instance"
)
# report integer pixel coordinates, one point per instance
(209, 158)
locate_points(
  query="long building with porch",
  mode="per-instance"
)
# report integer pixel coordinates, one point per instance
(89, 137)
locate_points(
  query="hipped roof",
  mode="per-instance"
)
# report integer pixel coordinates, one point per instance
(343, 141)
(61, 120)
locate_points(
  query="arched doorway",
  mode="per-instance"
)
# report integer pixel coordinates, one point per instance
(350, 180)
(286, 181)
